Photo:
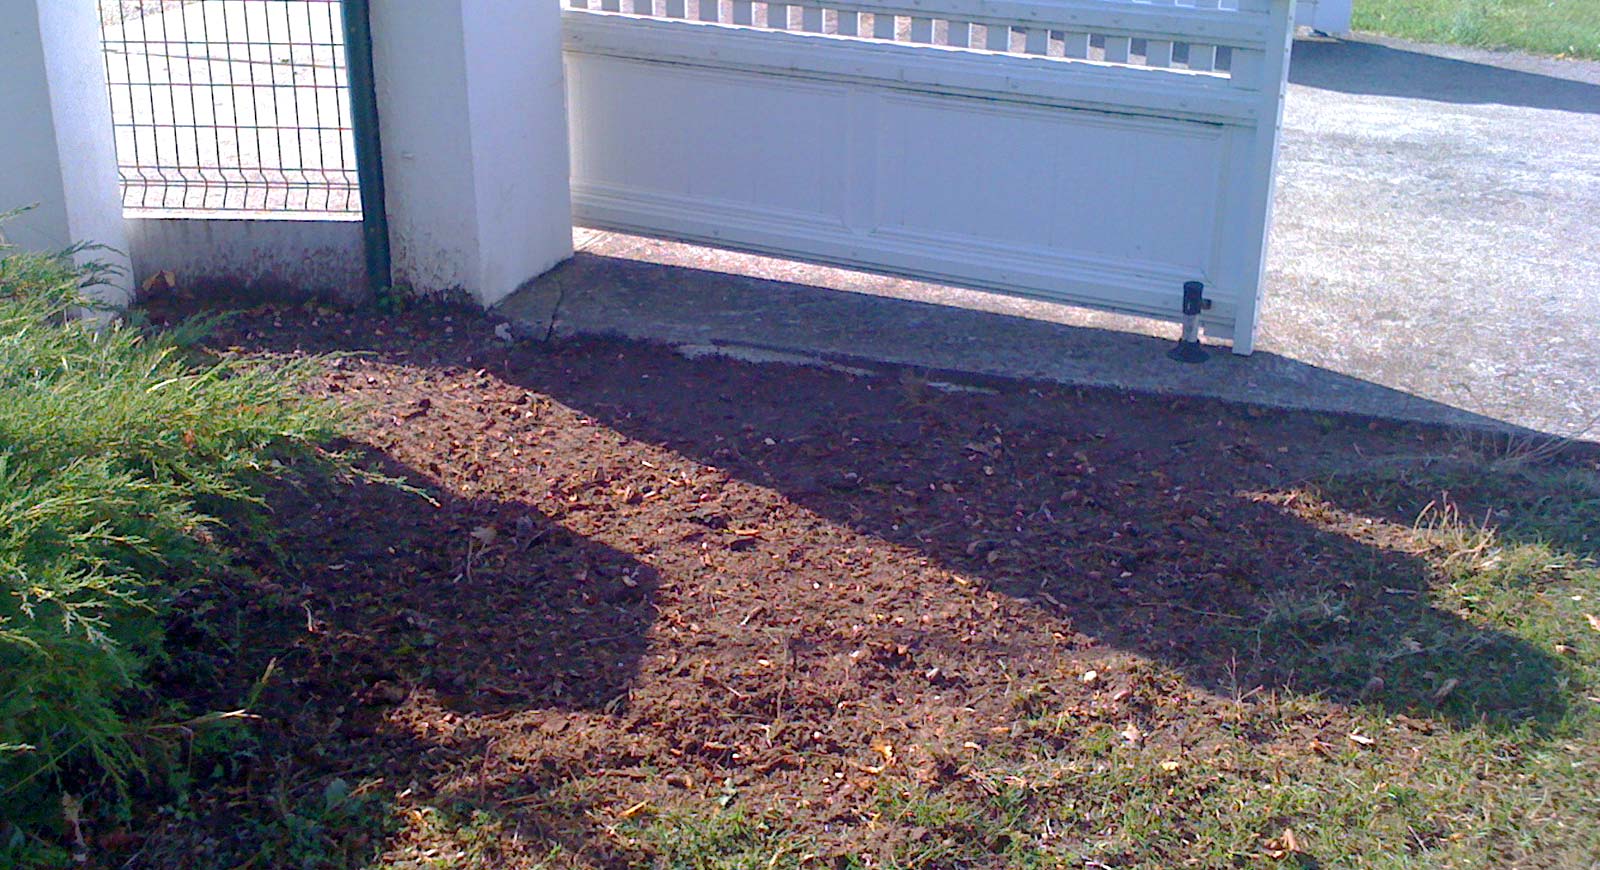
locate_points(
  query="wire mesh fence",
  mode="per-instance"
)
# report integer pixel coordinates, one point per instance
(231, 107)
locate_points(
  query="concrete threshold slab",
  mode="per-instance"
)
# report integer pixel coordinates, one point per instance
(770, 310)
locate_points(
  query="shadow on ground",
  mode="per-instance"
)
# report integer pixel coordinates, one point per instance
(480, 676)
(1154, 526)
(594, 294)
(482, 604)
(1128, 520)
(380, 615)
(1355, 67)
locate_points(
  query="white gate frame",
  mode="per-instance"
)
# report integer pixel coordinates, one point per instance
(1116, 178)
(1327, 16)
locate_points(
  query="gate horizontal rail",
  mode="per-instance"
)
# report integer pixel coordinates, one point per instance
(1243, 29)
(1021, 78)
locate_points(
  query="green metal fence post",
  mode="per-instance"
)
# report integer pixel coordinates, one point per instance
(369, 149)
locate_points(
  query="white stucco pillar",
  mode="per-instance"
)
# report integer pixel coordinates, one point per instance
(57, 151)
(472, 109)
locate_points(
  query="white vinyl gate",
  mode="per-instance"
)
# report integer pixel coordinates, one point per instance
(1093, 152)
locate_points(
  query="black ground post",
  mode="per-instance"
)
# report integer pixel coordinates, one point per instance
(1194, 302)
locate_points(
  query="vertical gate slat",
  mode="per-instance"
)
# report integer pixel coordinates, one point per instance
(778, 16)
(1204, 57)
(922, 30)
(1158, 53)
(676, 9)
(743, 12)
(811, 19)
(1117, 49)
(1246, 69)
(959, 34)
(882, 26)
(1076, 45)
(1036, 40)
(849, 23)
(710, 10)
(644, 7)
(999, 38)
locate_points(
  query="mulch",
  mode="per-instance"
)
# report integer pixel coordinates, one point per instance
(643, 582)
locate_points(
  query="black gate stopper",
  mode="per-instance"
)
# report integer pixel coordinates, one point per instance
(1194, 302)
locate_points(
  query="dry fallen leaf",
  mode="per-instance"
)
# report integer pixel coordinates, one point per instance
(485, 535)
(1445, 689)
(1357, 737)
(1132, 734)
(1594, 621)
(1284, 845)
(164, 279)
(1090, 676)
(882, 748)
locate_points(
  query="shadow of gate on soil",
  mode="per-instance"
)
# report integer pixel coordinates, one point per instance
(1149, 524)
(1131, 518)
(1156, 526)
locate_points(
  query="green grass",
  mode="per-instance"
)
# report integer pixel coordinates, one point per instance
(1568, 28)
(121, 462)
(1498, 770)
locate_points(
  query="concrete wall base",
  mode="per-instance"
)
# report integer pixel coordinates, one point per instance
(254, 260)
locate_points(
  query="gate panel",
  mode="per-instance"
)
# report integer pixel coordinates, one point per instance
(1096, 152)
(685, 139)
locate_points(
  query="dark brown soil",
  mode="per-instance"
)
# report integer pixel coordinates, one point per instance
(679, 581)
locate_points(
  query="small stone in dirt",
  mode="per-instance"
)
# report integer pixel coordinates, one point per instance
(513, 331)
(385, 692)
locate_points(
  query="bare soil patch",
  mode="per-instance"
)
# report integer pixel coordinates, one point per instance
(655, 587)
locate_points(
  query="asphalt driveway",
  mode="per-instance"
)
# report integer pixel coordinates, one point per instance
(1438, 227)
